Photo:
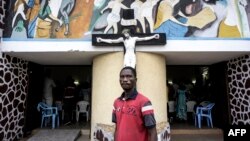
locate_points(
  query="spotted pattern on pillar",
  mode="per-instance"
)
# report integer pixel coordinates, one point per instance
(239, 89)
(2, 15)
(13, 91)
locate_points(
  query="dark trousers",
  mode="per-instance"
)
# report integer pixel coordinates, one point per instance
(69, 105)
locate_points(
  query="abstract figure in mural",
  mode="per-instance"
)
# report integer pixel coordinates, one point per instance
(45, 12)
(243, 4)
(114, 16)
(166, 22)
(137, 5)
(230, 26)
(147, 13)
(19, 9)
(129, 46)
(19, 30)
(32, 15)
(64, 11)
(96, 13)
(175, 18)
(44, 20)
(220, 11)
(227, 23)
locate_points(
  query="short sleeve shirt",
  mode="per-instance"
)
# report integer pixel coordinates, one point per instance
(133, 117)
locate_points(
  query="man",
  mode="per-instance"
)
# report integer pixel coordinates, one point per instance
(114, 16)
(49, 84)
(133, 113)
(69, 99)
(129, 43)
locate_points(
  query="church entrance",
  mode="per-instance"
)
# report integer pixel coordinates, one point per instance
(60, 74)
(202, 84)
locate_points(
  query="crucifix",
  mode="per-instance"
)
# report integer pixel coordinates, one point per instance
(129, 43)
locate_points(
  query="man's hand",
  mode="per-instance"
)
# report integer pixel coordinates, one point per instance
(60, 22)
(157, 36)
(98, 39)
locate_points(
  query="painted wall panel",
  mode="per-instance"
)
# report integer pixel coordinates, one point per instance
(60, 19)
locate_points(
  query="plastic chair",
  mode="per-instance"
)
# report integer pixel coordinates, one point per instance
(204, 112)
(82, 107)
(204, 103)
(171, 110)
(190, 108)
(171, 106)
(47, 113)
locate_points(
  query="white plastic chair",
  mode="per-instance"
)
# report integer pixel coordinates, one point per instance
(171, 106)
(171, 110)
(190, 106)
(82, 107)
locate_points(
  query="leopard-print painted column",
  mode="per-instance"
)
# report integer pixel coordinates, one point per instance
(13, 92)
(2, 15)
(239, 90)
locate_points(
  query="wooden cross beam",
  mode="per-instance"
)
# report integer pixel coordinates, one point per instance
(161, 41)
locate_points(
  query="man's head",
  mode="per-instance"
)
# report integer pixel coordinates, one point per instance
(126, 34)
(128, 78)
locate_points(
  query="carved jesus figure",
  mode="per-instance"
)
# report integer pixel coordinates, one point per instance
(129, 44)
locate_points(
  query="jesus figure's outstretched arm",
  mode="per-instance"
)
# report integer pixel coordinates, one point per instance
(155, 36)
(119, 40)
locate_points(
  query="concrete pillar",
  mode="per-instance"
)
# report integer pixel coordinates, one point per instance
(151, 81)
(151, 73)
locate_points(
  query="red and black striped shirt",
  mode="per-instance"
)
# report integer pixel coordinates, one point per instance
(133, 117)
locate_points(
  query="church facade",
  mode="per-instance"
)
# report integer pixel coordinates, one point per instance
(194, 29)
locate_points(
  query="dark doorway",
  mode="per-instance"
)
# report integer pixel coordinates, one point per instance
(81, 74)
(203, 83)
(219, 88)
(34, 96)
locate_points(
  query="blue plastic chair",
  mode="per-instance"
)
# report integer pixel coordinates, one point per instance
(204, 112)
(48, 112)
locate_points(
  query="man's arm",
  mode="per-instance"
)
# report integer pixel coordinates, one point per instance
(152, 134)
(119, 40)
(156, 36)
(110, 5)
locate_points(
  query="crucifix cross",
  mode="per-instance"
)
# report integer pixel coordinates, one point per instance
(129, 42)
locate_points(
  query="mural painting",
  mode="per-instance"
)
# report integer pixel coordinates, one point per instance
(48, 18)
(80, 18)
(201, 18)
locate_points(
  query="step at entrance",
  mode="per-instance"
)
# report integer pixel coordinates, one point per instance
(196, 134)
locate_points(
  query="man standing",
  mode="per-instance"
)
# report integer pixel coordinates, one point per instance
(133, 113)
(69, 99)
(49, 84)
(129, 44)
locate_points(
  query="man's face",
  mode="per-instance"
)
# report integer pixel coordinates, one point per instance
(127, 79)
(126, 35)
